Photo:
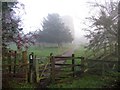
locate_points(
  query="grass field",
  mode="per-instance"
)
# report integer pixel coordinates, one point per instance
(44, 51)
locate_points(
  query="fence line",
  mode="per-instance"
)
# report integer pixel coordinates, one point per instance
(12, 67)
(83, 67)
(34, 71)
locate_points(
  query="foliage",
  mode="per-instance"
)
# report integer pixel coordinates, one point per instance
(54, 30)
(103, 31)
(11, 26)
(25, 40)
(10, 23)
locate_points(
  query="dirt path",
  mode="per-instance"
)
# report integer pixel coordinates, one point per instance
(67, 53)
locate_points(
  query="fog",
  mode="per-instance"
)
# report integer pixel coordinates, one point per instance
(35, 10)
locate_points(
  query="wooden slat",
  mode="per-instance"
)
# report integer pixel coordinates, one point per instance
(67, 64)
(45, 69)
(43, 65)
(106, 61)
(62, 70)
(6, 65)
(68, 57)
(65, 74)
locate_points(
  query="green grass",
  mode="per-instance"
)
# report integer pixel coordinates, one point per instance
(89, 81)
(84, 82)
(46, 51)
(43, 51)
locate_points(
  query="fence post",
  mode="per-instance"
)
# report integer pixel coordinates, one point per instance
(73, 64)
(103, 70)
(52, 75)
(25, 61)
(15, 55)
(24, 56)
(82, 64)
(34, 70)
(37, 68)
(9, 61)
(30, 67)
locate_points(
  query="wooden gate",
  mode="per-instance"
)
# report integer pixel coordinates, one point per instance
(54, 67)
(61, 70)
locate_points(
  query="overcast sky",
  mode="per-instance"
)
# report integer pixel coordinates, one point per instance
(37, 9)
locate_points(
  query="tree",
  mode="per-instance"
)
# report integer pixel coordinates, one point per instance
(103, 31)
(25, 40)
(54, 30)
(10, 23)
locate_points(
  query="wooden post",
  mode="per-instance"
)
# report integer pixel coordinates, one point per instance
(15, 56)
(82, 64)
(25, 61)
(34, 70)
(52, 76)
(37, 69)
(9, 61)
(103, 69)
(73, 63)
(30, 67)
(24, 56)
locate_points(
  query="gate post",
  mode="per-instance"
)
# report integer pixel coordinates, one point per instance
(82, 64)
(73, 64)
(30, 67)
(36, 69)
(24, 57)
(15, 62)
(52, 74)
(9, 61)
(103, 69)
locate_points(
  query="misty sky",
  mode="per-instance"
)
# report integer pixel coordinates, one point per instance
(37, 9)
